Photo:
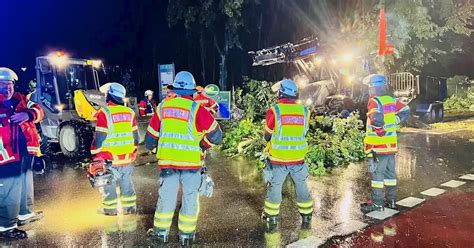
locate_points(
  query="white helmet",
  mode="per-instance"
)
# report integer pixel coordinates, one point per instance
(149, 93)
(117, 90)
(7, 74)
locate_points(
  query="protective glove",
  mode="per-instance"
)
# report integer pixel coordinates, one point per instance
(207, 184)
(372, 166)
(378, 119)
(39, 165)
(98, 157)
(397, 120)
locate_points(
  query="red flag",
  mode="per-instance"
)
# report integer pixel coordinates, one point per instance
(382, 32)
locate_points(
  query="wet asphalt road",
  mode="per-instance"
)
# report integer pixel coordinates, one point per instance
(232, 216)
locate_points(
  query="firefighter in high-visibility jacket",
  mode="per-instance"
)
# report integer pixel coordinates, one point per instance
(205, 101)
(384, 115)
(183, 130)
(286, 126)
(116, 140)
(19, 146)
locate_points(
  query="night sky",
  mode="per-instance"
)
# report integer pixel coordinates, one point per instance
(86, 28)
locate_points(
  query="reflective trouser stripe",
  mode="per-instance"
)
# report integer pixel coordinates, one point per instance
(128, 201)
(187, 224)
(163, 220)
(272, 208)
(111, 204)
(305, 207)
(390, 182)
(377, 184)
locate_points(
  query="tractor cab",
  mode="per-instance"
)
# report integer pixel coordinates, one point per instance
(60, 78)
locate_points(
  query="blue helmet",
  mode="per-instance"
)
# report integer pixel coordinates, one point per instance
(184, 83)
(117, 90)
(377, 80)
(184, 80)
(288, 87)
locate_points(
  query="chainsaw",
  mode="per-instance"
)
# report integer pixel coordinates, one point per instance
(98, 174)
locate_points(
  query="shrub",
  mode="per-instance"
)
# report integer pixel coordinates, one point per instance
(455, 103)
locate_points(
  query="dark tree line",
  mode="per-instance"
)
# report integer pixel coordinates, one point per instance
(211, 38)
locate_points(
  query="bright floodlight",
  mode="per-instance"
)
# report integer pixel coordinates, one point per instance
(347, 57)
(97, 63)
(350, 78)
(318, 61)
(58, 59)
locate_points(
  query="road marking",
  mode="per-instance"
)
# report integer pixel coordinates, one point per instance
(468, 177)
(311, 241)
(433, 131)
(410, 202)
(382, 215)
(453, 184)
(433, 192)
(348, 227)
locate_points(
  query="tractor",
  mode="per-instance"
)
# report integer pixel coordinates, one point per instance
(70, 94)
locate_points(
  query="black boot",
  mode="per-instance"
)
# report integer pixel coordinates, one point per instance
(161, 236)
(369, 207)
(186, 239)
(34, 217)
(13, 234)
(390, 204)
(271, 224)
(306, 221)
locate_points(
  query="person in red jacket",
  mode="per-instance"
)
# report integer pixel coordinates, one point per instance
(147, 105)
(205, 101)
(18, 147)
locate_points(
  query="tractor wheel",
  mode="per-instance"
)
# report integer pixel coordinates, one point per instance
(440, 114)
(431, 116)
(46, 146)
(75, 138)
(334, 107)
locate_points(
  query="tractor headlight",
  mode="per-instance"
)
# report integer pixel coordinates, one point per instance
(59, 107)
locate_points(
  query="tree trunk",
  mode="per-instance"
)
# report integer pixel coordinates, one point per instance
(223, 56)
(260, 31)
(203, 55)
(222, 72)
